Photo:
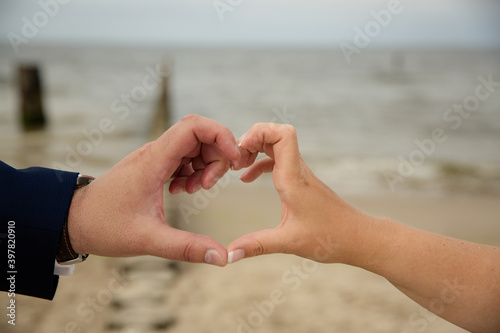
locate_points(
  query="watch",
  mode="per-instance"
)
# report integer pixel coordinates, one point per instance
(65, 254)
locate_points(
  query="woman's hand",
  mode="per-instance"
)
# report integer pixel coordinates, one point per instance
(315, 222)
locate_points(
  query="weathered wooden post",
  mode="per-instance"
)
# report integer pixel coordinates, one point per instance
(161, 121)
(142, 306)
(162, 113)
(31, 99)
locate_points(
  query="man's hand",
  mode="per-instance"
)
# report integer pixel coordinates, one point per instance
(121, 212)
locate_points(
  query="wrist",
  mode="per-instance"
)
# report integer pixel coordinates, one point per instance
(74, 241)
(369, 243)
(74, 221)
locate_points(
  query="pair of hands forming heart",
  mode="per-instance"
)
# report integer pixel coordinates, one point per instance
(121, 214)
(127, 215)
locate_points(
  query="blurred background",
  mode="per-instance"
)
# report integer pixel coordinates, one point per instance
(366, 84)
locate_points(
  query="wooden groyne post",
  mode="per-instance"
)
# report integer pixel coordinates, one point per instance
(31, 97)
(162, 115)
(142, 306)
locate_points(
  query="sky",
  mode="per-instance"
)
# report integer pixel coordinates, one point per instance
(324, 23)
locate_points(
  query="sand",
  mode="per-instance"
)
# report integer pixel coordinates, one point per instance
(274, 293)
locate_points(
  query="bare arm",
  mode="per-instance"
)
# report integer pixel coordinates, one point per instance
(457, 280)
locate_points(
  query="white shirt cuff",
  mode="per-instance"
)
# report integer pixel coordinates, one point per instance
(63, 270)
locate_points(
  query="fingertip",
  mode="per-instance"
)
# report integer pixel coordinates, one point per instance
(193, 188)
(262, 242)
(242, 248)
(177, 185)
(213, 173)
(213, 257)
(236, 155)
(211, 182)
(244, 176)
(235, 255)
(194, 182)
(240, 140)
(241, 163)
(230, 148)
(246, 159)
(175, 189)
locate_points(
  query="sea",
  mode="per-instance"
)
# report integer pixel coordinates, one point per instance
(387, 121)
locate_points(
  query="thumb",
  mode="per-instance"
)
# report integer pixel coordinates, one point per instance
(182, 245)
(255, 244)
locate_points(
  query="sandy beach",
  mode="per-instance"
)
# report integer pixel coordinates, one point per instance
(305, 296)
(368, 116)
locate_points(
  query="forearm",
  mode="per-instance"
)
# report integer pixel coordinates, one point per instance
(455, 279)
(36, 202)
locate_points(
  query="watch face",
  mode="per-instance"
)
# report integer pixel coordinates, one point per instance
(83, 180)
(80, 258)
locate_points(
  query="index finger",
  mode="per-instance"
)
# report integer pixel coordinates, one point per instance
(185, 138)
(279, 142)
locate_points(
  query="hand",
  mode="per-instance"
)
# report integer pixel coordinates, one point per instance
(455, 279)
(315, 223)
(121, 212)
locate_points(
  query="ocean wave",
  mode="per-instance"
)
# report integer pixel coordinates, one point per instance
(375, 175)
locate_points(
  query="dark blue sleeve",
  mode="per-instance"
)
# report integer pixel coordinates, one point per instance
(34, 203)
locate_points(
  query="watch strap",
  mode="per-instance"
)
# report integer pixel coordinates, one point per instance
(65, 254)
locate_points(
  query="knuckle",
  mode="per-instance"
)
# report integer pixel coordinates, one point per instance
(145, 149)
(282, 131)
(289, 129)
(259, 248)
(187, 254)
(259, 126)
(190, 117)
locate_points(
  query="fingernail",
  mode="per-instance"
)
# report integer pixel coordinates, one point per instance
(197, 187)
(213, 257)
(237, 149)
(240, 140)
(235, 256)
(236, 165)
(244, 174)
(177, 190)
(214, 181)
